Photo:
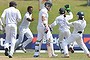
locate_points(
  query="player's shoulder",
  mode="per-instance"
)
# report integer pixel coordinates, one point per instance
(84, 20)
(17, 9)
(44, 10)
(6, 9)
(76, 21)
(26, 14)
(59, 17)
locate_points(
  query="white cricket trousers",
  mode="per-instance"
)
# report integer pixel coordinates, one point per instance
(11, 32)
(75, 37)
(41, 35)
(63, 35)
(27, 32)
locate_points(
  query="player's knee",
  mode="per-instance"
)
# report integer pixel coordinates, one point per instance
(64, 43)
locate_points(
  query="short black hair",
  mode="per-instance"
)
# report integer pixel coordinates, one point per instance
(48, 4)
(80, 15)
(12, 3)
(29, 8)
(62, 10)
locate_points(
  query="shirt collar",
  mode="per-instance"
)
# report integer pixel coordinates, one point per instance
(12, 7)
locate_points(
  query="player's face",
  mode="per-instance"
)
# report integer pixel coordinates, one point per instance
(30, 10)
(48, 8)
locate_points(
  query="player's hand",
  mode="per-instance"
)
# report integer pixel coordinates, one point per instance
(51, 29)
(46, 30)
(33, 19)
(67, 8)
(30, 19)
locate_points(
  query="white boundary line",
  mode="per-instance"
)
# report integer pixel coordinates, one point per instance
(44, 51)
(58, 51)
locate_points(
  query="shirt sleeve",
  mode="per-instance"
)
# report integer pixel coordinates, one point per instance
(3, 16)
(18, 16)
(1, 22)
(70, 16)
(43, 14)
(54, 23)
(84, 23)
(72, 24)
(29, 16)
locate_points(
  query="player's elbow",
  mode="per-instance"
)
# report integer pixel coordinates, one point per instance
(19, 19)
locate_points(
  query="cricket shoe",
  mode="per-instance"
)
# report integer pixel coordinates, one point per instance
(6, 51)
(71, 50)
(23, 49)
(65, 56)
(17, 48)
(9, 56)
(54, 55)
(35, 56)
(62, 52)
(88, 55)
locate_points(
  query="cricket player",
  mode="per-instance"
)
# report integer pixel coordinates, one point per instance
(41, 3)
(63, 27)
(43, 30)
(24, 30)
(76, 35)
(11, 16)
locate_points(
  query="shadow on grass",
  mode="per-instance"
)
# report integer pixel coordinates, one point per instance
(84, 4)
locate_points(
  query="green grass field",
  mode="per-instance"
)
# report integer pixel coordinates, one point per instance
(76, 5)
(43, 56)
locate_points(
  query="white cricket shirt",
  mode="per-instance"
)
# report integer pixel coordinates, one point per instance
(78, 25)
(61, 21)
(43, 12)
(25, 23)
(11, 15)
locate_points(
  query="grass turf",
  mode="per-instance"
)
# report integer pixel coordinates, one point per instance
(43, 56)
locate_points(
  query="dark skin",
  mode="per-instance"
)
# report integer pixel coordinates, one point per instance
(30, 12)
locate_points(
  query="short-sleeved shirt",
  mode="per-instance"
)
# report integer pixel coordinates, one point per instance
(11, 16)
(25, 23)
(43, 12)
(78, 25)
